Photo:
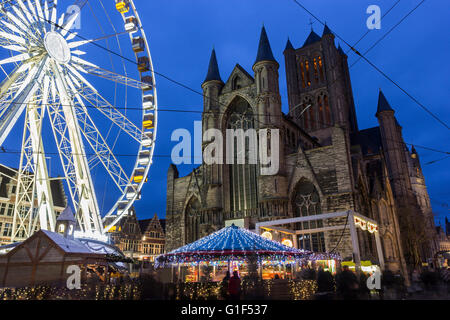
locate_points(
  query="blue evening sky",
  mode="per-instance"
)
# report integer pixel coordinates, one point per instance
(181, 34)
(415, 54)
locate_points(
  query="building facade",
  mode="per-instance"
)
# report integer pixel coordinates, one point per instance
(326, 163)
(139, 239)
(8, 187)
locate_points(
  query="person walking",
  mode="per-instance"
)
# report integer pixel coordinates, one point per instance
(234, 286)
(224, 286)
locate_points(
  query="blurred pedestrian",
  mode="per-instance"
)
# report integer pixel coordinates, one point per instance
(234, 286)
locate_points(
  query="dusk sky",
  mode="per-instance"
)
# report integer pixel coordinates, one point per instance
(182, 33)
(415, 55)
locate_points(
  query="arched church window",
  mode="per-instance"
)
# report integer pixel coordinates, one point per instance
(302, 73)
(308, 79)
(236, 84)
(316, 71)
(322, 76)
(193, 214)
(321, 111)
(306, 202)
(243, 177)
(327, 110)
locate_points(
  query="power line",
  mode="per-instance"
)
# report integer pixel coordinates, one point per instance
(378, 69)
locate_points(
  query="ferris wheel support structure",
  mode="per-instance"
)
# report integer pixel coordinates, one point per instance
(50, 81)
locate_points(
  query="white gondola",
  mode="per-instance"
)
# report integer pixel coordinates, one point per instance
(131, 24)
(121, 206)
(148, 102)
(144, 157)
(138, 44)
(131, 192)
(147, 139)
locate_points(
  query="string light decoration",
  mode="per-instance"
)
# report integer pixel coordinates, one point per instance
(237, 244)
(229, 244)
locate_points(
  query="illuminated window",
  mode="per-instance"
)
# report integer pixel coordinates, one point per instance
(61, 228)
(243, 177)
(308, 79)
(322, 77)
(316, 72)
(306, 202)
(302, 72)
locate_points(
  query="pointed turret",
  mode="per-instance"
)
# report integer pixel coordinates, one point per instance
(213, 70)
(65, 224)
(383, 104)
(340, 50)
(289, 45)
(326, 31)
(264, 49)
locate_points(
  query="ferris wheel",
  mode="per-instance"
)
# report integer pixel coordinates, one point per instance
(65, 83)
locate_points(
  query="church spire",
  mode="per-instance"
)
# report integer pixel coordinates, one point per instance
(289, 45)
(213, 70)
(326, 31)
(264, 49)
(383, 104)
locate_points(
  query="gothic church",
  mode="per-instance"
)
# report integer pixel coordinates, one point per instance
(327, 164)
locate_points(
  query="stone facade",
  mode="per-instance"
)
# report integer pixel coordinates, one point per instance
(326, 163)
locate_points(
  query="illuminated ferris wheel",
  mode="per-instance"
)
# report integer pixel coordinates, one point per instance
(67, 90)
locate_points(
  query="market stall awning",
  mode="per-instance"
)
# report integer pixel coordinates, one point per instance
(231, 243)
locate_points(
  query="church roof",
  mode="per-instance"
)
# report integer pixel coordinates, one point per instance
(326, 31)
(264, 49)
(66, 215)
(383, 104)
(368, 139)
(312, 38)
(213, 69)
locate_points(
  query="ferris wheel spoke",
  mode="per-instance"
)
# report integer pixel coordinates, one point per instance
(111, 76)
(109, 111)
(27, 89)
(99, 145)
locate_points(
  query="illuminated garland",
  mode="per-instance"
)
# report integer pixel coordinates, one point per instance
(233, 243)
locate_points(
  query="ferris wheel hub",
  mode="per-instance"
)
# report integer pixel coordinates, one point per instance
(57, 47)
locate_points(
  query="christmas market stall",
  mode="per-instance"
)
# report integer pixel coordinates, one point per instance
(230, 249)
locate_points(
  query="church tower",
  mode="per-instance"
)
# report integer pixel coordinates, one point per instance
(319, 89)
(272, 188)
(65, 224)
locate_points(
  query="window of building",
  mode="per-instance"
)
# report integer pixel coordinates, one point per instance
(192, 221)
(308, 79)
(302, 73)
(316, 71)
(322, 76)
(7, 230)
(243, 177)
(306, 202)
